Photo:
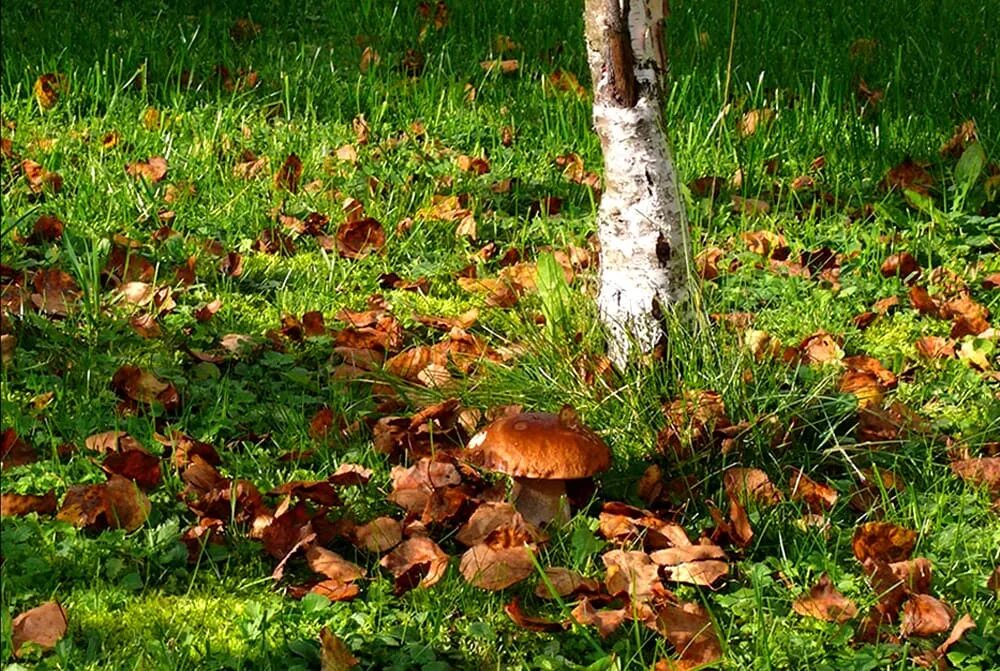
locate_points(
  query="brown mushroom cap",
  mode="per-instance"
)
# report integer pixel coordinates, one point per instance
(541, 445)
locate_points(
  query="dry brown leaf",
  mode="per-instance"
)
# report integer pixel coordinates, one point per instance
(16, 505)
(689, 629)
(334, 654)
(632, 574)
(417, 560)
(497, 566)
(48, 89)
(513, 610)
(153, 169)
(824, 602)
(606, 621)
(379, 535)
(754, 120)
(565, 582)
(883, 541)
(694, 564)
(923, 616)
(357, 238)
(42, 626)
(979, 472)
(819, 498)
(908, 175)
(288, 175)
(751, 484)
(332, 565)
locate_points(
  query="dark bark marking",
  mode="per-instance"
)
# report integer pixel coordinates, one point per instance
(663, 251)
(621, 57)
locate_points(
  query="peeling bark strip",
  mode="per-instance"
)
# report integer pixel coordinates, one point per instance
(641, 222)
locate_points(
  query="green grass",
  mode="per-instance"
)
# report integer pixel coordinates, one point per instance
(133, 600)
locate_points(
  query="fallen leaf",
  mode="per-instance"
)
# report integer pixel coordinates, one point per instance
(153, 169)
(48, 89)
(137, 465)
(332, 565)
(694, 564)
(15, 451)
(606, 620)
(632, 574)
(16, 505)
(908, 175)
(689, 629)
(287, 177)
(418, 555)
(513, 610)
(883, 541)
(357, 238)
(379, 535)
(824, 602)
(42, 626)
(334, 654)
(754, 120)
(819, 498)
(979, 472)
(496, 566)
(751, 484)
(923, 616)
(564, 582)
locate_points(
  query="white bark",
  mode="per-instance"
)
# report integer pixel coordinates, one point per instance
(641, 223)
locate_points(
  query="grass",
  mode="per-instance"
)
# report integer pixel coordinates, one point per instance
(134, 601)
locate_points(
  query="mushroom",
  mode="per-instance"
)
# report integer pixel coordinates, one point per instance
(541, 451)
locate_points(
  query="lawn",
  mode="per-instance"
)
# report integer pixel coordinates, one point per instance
(264, 264)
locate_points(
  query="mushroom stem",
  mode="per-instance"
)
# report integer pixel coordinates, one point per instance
(541, 501)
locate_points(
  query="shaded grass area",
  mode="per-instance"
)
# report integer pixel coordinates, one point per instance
(135, 602)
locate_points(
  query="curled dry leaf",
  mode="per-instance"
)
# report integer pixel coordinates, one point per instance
(137, 465)
(902, 265)
(332, 565)
(695, 564)
(605, 620)
(565, 582)
(357, 238)
(979, 472)
(493, 515)
(135, 384)
(503, 560)
(288, 175)
(883, 541)
(117, 504)
(632, 574)
(17, 505)
(818, 497)
(15, 451)
(751, 484)
(417, 560)
(824, 602)
(913, 574)
(689, 629)
(42, 626)
(111, 441)
(379, 535)
(48, 88)
(923, 616)
(754, 120)
(513, 610)
(153, 169)
(908, 175)
(334, 654)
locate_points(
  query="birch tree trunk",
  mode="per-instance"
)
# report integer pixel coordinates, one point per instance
(642, 228)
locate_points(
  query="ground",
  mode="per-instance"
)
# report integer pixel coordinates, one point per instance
(831, 130)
